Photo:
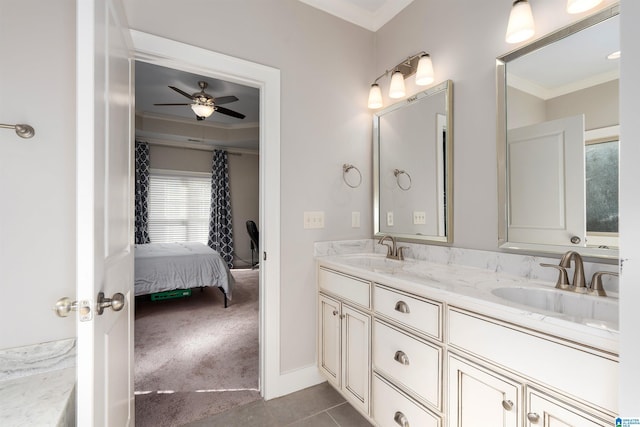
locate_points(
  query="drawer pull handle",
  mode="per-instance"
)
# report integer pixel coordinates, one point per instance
(533, 417)
(507, 405)
(335, 312)
(401, 419)
(401, 357)
(402, 307)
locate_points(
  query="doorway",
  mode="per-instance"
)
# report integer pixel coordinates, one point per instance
(168, 53)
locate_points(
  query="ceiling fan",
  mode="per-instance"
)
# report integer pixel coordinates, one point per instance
(203, 104)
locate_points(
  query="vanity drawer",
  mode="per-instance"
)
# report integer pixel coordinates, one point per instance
(346, 287)
(582, 372)
(391, 408)
(411, 363)
(416, 313)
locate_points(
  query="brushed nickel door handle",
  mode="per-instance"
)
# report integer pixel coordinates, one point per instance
(116, 302)
(401, 358)
(402, 307)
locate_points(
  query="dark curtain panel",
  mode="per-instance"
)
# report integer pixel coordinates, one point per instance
(220, 229)
(142, 193)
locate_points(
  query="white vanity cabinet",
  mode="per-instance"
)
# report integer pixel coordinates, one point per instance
(415, 355)
(530, 363)
(344, 335)
(479, 396)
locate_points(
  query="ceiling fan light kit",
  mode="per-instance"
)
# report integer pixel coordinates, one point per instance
(204, 105)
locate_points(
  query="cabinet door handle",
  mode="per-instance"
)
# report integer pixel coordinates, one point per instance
(533, 417)
(402, 307)
(401, 357)
(401, 419)
(335, 312)
(507, 405)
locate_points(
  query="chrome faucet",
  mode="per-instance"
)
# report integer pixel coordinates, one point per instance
(393, 251)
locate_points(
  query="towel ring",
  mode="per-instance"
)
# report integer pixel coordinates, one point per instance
(397, 173)
(23, 131)
(345, 169)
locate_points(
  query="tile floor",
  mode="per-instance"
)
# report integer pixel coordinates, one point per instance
(317, 406)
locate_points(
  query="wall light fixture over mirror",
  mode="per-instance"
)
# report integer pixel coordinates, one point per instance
(557, 129)
(412, 167)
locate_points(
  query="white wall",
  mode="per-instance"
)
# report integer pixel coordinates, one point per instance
(37, 176)
(629, 209)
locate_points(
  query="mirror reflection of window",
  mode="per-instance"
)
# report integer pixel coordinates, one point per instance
(601, 167)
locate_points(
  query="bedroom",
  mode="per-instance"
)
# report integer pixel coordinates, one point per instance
(174, 155)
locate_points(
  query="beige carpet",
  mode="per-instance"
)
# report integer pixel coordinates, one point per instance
(193, 357)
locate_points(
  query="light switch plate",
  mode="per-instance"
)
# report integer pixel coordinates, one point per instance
(355, 219)
(419, 217)
(389, 218)
(314, 220)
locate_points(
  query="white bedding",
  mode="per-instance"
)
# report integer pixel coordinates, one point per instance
(164, 266)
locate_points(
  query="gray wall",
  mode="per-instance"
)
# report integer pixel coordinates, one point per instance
(37, 176)
(244, 183)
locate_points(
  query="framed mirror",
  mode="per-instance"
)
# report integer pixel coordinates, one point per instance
(557, 140)
(412, 165)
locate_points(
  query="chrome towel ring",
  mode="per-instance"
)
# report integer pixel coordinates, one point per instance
(23, 131)
(397, 173)
(345, 170)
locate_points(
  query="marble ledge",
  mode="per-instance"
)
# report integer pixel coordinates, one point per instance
(525, 266)
(37, 358)
(43, 400)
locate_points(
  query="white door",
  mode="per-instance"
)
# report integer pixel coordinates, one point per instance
(356, 330)
(547, 182)
(104, 214)
(329, 339)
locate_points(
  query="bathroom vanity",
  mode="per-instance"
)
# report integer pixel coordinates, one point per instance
(416, 343)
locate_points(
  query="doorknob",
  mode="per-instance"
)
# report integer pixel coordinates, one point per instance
(64, 306)
(116, 302)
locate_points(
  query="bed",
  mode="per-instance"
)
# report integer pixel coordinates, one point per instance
(163, 267)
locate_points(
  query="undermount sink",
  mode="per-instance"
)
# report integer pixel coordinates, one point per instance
(374, 262)
(587, 307)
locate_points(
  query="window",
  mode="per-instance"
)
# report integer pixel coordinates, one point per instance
(179, 204)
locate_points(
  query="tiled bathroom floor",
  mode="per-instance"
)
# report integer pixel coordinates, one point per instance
(317, 406)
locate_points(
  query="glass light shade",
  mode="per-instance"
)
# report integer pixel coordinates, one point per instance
(202, 110)
(375, 96)
(579, 6)
(424, 75)
(396, 90)
(521, 25)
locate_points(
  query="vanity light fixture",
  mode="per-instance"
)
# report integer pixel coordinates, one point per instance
(419, 64)
(202, 110)
(579, 6)
(521, 26)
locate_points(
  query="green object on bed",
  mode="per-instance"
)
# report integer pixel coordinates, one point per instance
(174, 293)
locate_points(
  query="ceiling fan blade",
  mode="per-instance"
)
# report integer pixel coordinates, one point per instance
(181, 92)
(224, 99)
(228, 112)
(171, 104)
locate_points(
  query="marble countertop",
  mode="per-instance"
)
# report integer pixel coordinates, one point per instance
(472, 288)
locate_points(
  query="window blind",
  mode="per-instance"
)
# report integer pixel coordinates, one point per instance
(179, 206)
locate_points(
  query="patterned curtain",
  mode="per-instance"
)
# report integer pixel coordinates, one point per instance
(142, 193)
(220, 230)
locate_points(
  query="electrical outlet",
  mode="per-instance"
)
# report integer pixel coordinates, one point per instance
(389, 218)
(314, 220)
(355, 219)
(419, 217)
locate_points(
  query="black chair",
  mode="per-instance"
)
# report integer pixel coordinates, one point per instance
(252, 229)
